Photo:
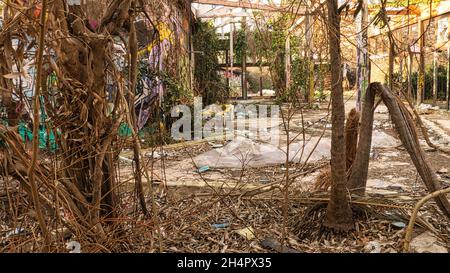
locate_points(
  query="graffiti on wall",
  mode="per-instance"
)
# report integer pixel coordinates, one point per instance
(151, 86)
(158, 45)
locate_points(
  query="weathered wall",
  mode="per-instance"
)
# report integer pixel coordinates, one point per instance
(164, 43)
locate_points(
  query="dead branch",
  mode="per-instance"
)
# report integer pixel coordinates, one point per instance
(408, 135)
(412, 220)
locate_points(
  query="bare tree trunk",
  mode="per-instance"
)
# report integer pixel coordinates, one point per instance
(6, 85)
(351, 137)
(448, 72)
(435, 77)
(409, 76)
(391, 60)
(310, 57)
(287, 60)
(83, 57)
(408, 135)
(31, 170)
(244, 63)
(339, 214)
(421, 74)
(133, 50)
(362, 54)
(358, 177)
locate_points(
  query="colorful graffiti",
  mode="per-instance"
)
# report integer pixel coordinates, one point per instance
(158, 57)
(165, 33)
(151, 86)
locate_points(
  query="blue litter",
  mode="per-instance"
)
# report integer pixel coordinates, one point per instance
(203, 169)
(221, 225)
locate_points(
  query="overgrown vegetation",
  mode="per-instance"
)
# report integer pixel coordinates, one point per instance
(208, 82)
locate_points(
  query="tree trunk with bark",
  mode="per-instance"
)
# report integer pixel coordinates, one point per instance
(405, 127)
(339, 214)
(82, 63)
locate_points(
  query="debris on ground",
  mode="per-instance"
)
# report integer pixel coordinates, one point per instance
(427, 243)
(247, 233)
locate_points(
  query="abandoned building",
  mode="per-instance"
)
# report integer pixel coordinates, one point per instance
(224, 126)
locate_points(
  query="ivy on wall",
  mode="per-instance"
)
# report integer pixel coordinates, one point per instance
(208, 82)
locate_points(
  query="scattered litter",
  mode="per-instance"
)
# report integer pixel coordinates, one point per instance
(203, 169)
(381, 184)
(381, 192)
(372, 247)
(300, 151)
(404, 198)
(156, 155)
(377, 124)
(74, 247)
(215, 145)
(125, 159)
(248, 233)
(16, 231)
(391, 154)
(241, 152)
(221, 225)
(424, 108)
(398, 179)
(427, 242)
(397, 163)
(381, 139)
(268, 92)
(374, 155)
(381, 109)
(264, 180)
(398, 224)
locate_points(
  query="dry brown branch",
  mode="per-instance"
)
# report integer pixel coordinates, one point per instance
(31, 170)
(412, 220)
(408, 135)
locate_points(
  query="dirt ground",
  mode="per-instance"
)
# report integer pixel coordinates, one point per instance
(250, 209)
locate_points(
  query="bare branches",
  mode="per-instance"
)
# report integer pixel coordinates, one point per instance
(37, 94)
(409, 229)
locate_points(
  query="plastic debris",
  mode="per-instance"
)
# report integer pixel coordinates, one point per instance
(241, 152)
(203, 169)
(374, 155)
(424, 108)
(398, 224)
(16, 231)
(74, 247)
(372, 247)
(264, 180)
(268, 92)
(156, 155)
(125, 159)
(221, 225)
(381, 139)
(381, 109)
(215, 145)
(247, 233)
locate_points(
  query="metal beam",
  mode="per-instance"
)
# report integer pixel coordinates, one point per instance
(239, 4)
